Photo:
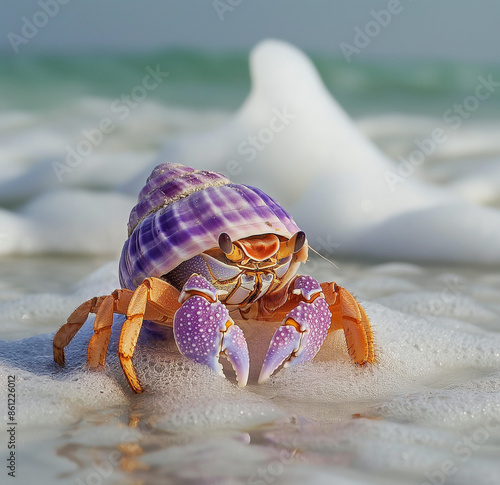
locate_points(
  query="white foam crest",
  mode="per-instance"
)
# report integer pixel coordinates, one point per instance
(285, 86)
(67, 221)
(319, 161)
(313, 159)
(39, 152)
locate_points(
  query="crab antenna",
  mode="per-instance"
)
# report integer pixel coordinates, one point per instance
(321, 256)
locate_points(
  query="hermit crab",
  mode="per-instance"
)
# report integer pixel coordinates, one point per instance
(203, 252)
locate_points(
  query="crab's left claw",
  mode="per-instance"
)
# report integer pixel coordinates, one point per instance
(303, 330)
(203, 330)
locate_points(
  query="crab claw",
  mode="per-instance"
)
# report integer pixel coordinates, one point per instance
(203, 330)
(303, 331)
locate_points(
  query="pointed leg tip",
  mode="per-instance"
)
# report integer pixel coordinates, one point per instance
(135, 385)
(136, 389)
(59, 357)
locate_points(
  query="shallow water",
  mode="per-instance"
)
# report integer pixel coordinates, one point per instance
(432, 397)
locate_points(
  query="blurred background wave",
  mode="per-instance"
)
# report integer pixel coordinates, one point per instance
(421, 58)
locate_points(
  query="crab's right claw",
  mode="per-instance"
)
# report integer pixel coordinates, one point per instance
(203, 330)
(303, 331)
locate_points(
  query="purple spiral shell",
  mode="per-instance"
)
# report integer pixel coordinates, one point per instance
(181, 213)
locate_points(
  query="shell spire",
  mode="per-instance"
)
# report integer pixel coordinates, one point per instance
(168, 183)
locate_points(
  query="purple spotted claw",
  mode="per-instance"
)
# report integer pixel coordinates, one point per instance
(303, 330)
(203, 329)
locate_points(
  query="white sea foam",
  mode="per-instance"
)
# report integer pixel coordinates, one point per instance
(440, 373)
(319, 162)
(310, 155)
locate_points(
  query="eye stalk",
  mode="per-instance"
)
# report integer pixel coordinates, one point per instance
(232, 252)
(293, 245)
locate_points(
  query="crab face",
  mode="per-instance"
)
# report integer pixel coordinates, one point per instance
(249, 268)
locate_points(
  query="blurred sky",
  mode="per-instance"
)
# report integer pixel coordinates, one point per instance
(443, 29)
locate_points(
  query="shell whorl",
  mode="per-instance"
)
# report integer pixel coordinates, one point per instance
(168, 183)
(181, 213)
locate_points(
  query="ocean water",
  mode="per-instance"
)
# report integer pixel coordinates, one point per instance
(416, 242)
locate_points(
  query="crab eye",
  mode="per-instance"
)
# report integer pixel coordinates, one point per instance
(225, 243)
(293, 245)
(232, 252)
(300, 239)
